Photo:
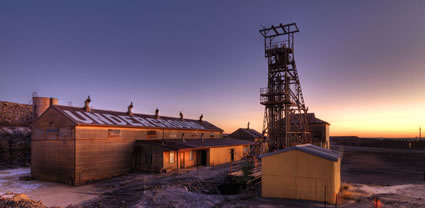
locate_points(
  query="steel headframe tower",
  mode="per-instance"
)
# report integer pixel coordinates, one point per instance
(285, 116)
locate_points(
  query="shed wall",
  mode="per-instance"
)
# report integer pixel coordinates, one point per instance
(221, 155)
(148, 157)
(101, 154)
(52, 148)
(299, 175)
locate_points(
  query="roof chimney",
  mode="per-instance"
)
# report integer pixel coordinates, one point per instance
(41, 104)
(181, 116)
(129, 112)
(248, 125)
(157, 113)
(87, 104)
(200, 118)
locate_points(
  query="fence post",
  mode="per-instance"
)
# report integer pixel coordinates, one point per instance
(336, 200)
(324, 201)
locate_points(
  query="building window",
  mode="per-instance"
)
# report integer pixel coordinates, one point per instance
(65, 133)
(172, 156)
(114, 132)
(245, 150)
(191, 155)
(151, 133)
(52, 133)
(317, 134)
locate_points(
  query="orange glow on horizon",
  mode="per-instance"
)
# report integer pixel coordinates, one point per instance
(378, 119)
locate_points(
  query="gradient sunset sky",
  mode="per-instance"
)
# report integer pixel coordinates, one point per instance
(361, 63)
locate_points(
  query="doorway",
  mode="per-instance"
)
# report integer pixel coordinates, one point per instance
(232, 155)
(181, 159)
(202, 157)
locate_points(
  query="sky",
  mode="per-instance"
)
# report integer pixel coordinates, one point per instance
(361, 63)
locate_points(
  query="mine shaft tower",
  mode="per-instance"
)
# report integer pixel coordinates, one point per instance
(285, 116)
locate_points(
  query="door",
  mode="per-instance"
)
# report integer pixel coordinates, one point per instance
(182, 160)
(232, 155)
(203, 157)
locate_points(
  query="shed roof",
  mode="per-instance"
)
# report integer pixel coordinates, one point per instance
(309, 149)
(97, 117)
(311, 118)
(179, 144)
(252, 132)
(246, 134)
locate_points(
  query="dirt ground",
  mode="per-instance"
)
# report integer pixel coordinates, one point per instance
(394, 177)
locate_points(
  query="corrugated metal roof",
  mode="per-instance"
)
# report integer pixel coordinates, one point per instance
(310, 149)
(311, 118)
(252, 132)
(179, 144)
(97, 117)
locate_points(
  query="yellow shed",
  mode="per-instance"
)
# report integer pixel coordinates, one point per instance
(306, 172)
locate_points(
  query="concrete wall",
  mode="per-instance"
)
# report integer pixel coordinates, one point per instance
(52, 149)
(298, 175)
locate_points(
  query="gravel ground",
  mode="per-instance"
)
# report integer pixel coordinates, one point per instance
(393, 177)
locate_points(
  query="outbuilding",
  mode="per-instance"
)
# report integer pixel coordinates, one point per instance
(252, 135)
(306, 172)
(319, 130)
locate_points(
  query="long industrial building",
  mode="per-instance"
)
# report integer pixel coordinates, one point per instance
(75, 145)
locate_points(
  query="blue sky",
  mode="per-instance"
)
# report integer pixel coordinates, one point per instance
(357, 60)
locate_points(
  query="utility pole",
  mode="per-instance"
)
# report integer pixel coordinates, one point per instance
(419, 132)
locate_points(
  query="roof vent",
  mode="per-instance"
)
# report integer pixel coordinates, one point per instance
(200, 118)
(87, 104)
(248, 125)
(181, 116)
(157, 113)
(130, 107)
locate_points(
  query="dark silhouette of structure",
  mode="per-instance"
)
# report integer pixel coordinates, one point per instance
(282, 97)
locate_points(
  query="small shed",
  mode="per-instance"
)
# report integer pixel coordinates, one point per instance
(306, 172)
(319, 129)
(249, 135)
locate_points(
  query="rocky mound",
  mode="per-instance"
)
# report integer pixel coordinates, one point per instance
(14, 114)
(11, 200)
(15, 134)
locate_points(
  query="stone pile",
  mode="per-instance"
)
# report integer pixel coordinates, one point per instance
(15, 134)
(12, 200)
(14, 114)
